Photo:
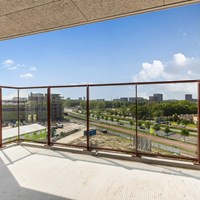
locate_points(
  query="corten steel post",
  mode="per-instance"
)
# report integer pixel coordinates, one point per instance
(88, 118)
(18, 118)
(49, 116)
(136, 122)
(198, 118)
(0, 117)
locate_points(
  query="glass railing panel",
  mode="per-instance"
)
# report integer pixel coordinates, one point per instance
(33, 116)
(113, 117)
(9, 115)
(167, 120)
(68, 116)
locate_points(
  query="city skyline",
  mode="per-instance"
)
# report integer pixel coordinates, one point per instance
(157, 97)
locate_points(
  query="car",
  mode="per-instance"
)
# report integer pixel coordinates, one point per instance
(59, 126)
(141, 127)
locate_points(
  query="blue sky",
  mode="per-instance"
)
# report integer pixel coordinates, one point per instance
(162, 45)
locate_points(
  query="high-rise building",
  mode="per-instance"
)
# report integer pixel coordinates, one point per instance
(188, 97)
(33, 109)
(133, 99)
(156, 97)
(124, 99)
(36, 108)
(57, 108)
(10, 110)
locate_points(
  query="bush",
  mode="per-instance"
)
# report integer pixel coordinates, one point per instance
(184, 132)
(156, 127)
(167, 129)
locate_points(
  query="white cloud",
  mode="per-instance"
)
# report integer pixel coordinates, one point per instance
(26, 76)
(150, 71)
(9, 64)
(32, 68)
(180, 67)
(179, 59)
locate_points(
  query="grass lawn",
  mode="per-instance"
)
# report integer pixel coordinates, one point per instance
(41, 136)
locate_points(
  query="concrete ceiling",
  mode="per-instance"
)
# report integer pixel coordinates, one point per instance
(26, 17)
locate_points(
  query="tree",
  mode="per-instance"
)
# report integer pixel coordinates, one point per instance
(167, 130)
(132, 110)
(148, 125)
(115, 113)
(157, 110)
(184, 121)
(97, 116)
(93, 104)
(124, 110)
(111, 119)
(101, 105)
(156, 127)
(139, 123)
(106, 118)
(184, 132)
(175, 117)
(83, 105)
(131, 123)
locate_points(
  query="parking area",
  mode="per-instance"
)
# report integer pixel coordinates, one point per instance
(71, 131)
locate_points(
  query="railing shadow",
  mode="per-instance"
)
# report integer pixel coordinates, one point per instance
(10, 188)
(114, 162)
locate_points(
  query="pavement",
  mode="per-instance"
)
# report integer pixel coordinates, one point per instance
(72, 137)
(43, 174)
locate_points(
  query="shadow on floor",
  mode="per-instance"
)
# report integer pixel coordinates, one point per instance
(103, 161)
(11, 190)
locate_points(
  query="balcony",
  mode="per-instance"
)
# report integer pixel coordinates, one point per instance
(134, 125)
(136, 140)
(57, 146)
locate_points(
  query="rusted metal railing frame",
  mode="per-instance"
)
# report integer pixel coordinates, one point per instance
(88, 116)
(136, 120)
(18, 112)
(49, 116)
(198, 125)
(134, 152)
(121, 84)
(1, 117)
(105, 84)
(70, 145)
(87, 111)
(152, 83)
(8, 87)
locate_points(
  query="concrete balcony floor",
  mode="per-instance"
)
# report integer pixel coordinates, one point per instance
(28, 173)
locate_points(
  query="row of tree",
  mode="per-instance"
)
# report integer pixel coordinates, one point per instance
(145, 110)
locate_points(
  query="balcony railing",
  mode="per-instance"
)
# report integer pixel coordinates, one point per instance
(103, 119)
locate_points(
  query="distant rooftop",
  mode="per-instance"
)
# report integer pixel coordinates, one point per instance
(12, 132)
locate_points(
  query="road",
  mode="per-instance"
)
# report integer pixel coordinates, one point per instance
(178, 144)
